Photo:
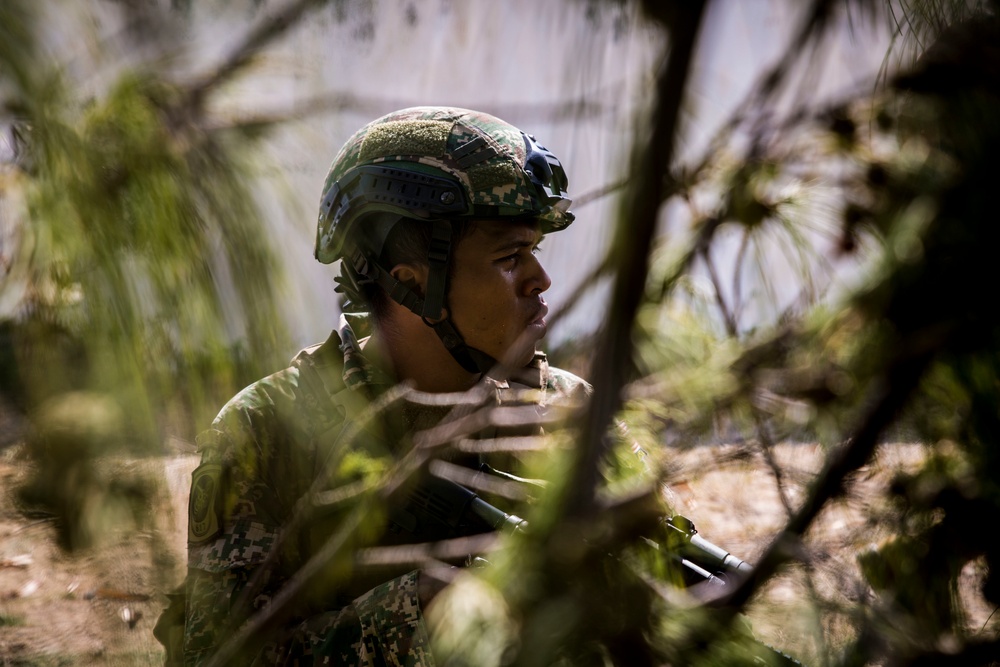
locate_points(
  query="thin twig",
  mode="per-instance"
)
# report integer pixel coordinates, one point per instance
(268, 30)
(889, 396)
(720, 299)
(579, 291)
(413, 556)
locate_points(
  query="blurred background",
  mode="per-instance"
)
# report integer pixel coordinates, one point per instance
(776, 246)
(577, 74)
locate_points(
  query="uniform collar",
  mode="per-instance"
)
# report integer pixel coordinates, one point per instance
(359, 370)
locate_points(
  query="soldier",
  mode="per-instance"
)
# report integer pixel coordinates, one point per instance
(436, 215)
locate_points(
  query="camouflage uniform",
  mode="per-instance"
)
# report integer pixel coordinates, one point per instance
(261, 455)
(273, 444)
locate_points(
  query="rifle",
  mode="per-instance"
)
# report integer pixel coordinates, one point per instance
(701, 560)
(439, 509)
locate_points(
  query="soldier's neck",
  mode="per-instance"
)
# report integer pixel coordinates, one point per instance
(415, 354)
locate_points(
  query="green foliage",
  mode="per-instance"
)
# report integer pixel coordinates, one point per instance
(10, 621)
(148, 298)
(148, 283)
(908, 351)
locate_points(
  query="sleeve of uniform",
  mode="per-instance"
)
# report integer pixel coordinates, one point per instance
(257, 461)
(234, 517)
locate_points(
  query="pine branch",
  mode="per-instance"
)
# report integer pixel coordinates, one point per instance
(636, 229)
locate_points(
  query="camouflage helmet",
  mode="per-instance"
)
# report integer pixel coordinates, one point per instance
(436, 164)
(439, 162)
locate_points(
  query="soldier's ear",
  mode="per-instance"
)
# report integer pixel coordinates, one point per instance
(413, 276)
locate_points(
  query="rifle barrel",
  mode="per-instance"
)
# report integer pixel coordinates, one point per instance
(500, 520)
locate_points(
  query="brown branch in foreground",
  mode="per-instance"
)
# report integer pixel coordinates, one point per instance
(259, 37)
(475, 480)
(513, 444)
(633, 242)
(345, 100)
(413, 556)
(728, 315)
(599, 193)
(458, 428)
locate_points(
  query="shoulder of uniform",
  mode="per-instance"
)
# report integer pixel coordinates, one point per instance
(289, 396)
(321, 367)
(247, 413)
(556, 380)
(264, 394)
(327, 353)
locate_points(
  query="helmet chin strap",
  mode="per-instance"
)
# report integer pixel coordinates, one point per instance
(431, 307)
(469, 358)
(438, 256)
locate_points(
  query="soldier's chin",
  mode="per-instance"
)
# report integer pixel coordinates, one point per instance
(523, 350)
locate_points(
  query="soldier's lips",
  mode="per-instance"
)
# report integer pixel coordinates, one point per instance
(537, 323)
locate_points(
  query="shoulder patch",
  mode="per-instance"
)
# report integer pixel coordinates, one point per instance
(203, 505)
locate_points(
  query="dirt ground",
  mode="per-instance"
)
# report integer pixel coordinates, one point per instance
(99, 608)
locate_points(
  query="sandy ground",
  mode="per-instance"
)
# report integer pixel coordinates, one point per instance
(100, 607)
(97, 607)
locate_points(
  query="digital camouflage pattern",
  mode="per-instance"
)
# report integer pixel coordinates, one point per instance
(483, 153)
(261, 455)
(382, 627)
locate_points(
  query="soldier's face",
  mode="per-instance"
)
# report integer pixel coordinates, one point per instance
(495, 298)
